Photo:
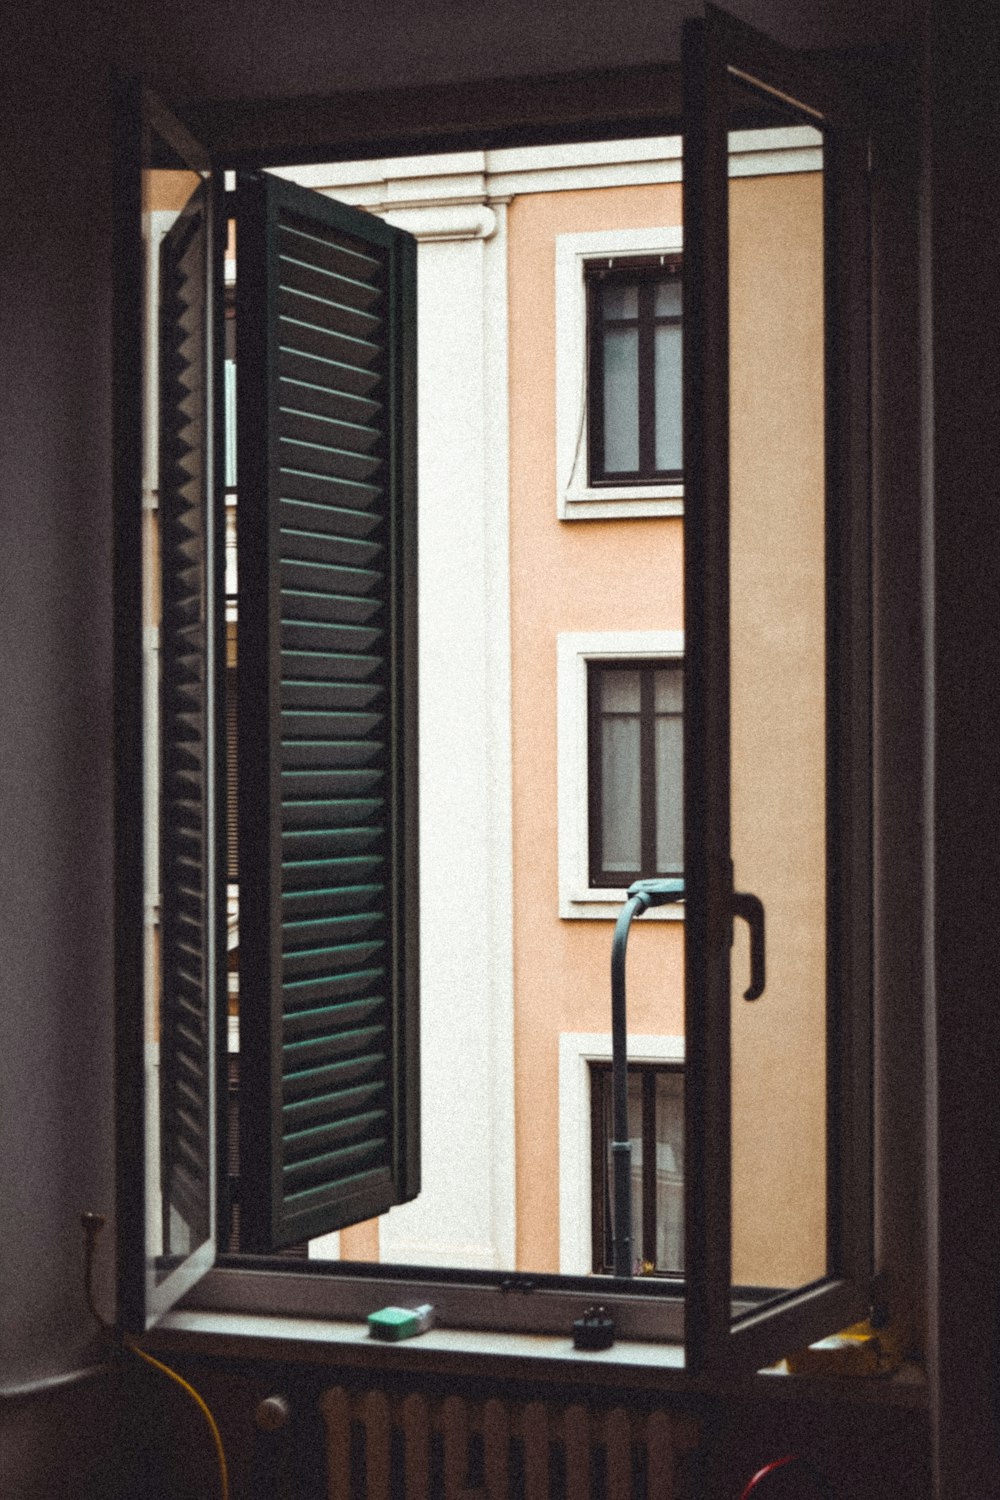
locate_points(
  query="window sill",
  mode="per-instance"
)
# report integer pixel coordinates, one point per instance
(612, 503)
(453, 1351)
(468, 1353)
(604, 904)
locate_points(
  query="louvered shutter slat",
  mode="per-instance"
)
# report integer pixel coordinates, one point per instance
(327, 729)
(186, 702)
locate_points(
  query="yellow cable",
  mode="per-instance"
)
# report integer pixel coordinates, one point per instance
(216, 1438)
(92, 1225)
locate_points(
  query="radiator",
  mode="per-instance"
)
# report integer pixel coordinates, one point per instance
(416, 1447)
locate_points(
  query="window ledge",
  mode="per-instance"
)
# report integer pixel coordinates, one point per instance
(614, 504)
(604, 904)
(449, 1350)
(470, 1353)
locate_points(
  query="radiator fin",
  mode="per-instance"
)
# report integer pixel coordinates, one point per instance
(417, 1447)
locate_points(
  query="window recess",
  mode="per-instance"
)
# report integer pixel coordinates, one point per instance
(734, 79)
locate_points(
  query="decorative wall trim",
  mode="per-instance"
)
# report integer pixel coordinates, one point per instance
(381, 184)
(442, 221)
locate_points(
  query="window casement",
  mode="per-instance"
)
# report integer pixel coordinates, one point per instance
(656, 1128)
(635, 770)
(776, 730)
(634, 372)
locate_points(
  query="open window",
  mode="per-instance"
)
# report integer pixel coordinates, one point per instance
(776, 708)
(775, 725)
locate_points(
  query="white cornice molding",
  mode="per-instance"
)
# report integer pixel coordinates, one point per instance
(394, 183)
(442, 221)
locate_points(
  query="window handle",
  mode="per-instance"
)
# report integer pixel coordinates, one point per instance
(751, 909)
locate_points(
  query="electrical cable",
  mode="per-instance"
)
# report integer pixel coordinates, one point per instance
(220, 1452)
(92, 1226)
(794, 1465)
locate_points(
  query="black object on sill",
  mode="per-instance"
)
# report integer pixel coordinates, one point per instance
(595, 1330)
(516, 1282)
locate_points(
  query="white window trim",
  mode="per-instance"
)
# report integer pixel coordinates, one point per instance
(575, 498)
(577, 1049)
(574, 649)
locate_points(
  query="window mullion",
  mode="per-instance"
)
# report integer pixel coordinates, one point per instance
(647, 385)
(648, 1077)
(595, 790)
(595, 379)
(647, 773)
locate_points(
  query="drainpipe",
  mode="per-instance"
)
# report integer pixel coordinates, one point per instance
(641, 895)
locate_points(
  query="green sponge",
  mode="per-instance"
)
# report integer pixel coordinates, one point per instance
(400, 1322)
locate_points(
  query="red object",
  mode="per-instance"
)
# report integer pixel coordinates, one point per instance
(788, 1478)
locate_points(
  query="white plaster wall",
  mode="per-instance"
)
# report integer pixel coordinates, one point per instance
(465, 1212)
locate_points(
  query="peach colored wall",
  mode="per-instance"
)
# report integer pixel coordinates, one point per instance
(778, 691)
(627, 575)
(168, 189)
(576, 575)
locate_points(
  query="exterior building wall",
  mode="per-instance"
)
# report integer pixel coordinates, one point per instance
(580, 575)
(567, 576)
(778, 733)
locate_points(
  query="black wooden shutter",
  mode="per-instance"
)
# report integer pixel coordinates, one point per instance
(187, 696)
(327, 714)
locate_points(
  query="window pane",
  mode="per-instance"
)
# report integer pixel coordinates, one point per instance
(620, 301)
(620, 692)
(620, 811)
(668, 690)
(669, 793)
(668, 298)
(669, 1171)
(229, 370)
(635, 1136)
(668, 396)
(621, 399)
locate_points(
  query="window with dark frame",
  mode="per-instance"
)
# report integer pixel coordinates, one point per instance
(656, 1129)
(634, 352)
(635, 770)
(597, 350)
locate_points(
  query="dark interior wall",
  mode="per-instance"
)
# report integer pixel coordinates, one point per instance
(962, 231)
(56, 709)
(56, 720)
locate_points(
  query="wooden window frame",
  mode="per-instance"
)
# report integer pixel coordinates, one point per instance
(600, 877)
(600, 1188)
(643, 273)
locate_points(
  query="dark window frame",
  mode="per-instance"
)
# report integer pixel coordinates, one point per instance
(598, 876)
(602, 1262)
(643, 272)
(264, 136)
